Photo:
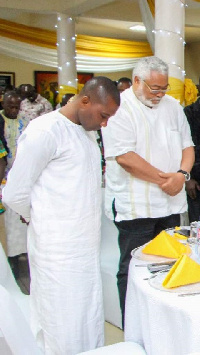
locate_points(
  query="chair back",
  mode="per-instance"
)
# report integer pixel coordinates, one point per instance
(16, 336)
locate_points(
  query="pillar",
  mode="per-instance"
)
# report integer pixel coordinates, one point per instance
(66, 49)
(169, 41)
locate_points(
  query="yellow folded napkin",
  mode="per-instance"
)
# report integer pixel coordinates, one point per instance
(165, 245)
(185, 271)
(179, 236)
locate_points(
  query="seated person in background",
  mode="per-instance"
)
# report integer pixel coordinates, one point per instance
(33, 104)
(123, 84)
(64, 100)
(193, 186)
(11, 127)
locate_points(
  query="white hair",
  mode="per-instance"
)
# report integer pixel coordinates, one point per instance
(146, 65)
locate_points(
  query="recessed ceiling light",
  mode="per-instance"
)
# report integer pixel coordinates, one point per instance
(137, 28)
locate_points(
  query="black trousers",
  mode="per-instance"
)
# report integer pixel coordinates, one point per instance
(194, 207)
(132, 234)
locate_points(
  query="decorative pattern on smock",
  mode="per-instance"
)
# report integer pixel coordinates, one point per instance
(12, 130)
(31, 110)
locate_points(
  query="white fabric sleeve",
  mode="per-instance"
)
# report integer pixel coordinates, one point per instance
(35, 150)
(119, 136)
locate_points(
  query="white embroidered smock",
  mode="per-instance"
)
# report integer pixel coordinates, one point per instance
(56, 181)
(158, 135)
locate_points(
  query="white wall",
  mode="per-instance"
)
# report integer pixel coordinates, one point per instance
(24, 71)
(192, 62)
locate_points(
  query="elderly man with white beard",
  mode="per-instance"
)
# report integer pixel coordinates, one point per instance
(149, 154)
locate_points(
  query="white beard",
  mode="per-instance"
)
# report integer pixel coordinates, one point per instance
(147, 102)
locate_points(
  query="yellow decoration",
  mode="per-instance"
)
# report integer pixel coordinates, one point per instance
(165, 245)
(151, 4)
(86, 45)
(177, 89)
(179, 236)
(185, 271)
(112, 48)
(27, 34)
(65, 89)
(190, 92)
(80, 86)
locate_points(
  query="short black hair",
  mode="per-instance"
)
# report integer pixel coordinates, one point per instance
(99, 88)
(66, 98)
(124, 79)
(29, 87)
(12, 93)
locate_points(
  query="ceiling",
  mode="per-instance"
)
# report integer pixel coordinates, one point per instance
(105, 18)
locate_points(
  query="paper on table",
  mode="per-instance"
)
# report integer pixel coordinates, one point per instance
(185, 271)
(165, 245)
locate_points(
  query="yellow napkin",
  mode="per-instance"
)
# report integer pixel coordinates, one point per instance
(165, 245)
(185, 271)
(179, 236)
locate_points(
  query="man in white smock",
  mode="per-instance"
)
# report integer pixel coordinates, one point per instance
(149, 154)
(55, 183)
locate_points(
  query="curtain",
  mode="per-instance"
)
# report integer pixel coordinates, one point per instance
(151, 4)
(48, 57)
(94, 54)
(86, 45)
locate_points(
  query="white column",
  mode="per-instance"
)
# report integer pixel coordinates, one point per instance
(149, 22)
(169, 35)
(66, 48)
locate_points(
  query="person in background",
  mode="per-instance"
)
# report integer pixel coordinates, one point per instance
(192, 113)
(3, 162)
(64, 100)
(9, 87)
(1, 96)
(123, 84)
(11, 127)
(33, 104)
(149, 154)
(55, 183)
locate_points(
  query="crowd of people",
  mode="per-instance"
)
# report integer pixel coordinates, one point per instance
(53, 188)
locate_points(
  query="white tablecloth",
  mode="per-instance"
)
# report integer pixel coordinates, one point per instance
(162, 322)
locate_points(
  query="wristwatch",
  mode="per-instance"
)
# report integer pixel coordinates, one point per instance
(185, 173)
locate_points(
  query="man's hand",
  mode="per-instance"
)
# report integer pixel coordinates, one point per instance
(174, 183)
(191, 187)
